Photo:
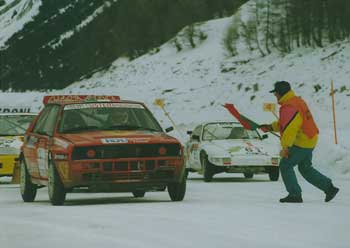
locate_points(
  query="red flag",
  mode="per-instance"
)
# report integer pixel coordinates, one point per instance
(246, 123)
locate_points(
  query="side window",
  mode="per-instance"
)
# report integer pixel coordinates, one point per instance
(41, 120)
(51, 119)
(46, 122)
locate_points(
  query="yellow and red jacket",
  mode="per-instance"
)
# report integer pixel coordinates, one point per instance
(296, 124)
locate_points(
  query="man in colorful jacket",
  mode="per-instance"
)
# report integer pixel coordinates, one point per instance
(299, 135)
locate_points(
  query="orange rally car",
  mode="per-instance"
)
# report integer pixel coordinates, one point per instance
(102, 143)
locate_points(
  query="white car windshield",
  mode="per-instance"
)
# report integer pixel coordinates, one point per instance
(106, 116)
(223, 131)
(13, 125)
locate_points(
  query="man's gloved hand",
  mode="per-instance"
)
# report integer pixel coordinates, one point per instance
(266, 128)
(284, 153)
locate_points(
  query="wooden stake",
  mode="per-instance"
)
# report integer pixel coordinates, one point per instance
(334, 119)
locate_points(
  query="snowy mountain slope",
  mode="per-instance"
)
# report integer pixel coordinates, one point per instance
(14, 15)
(195, 82)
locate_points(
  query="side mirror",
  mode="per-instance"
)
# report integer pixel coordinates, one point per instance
(169, 129)
(195, 137)
(189, 132)
(264, 136)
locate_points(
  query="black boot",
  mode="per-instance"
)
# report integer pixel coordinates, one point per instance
(292, 199)
(330, 194)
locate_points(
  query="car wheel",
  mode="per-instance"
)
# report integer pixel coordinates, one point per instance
(28, 189)
(177, 190)
(139, 193)
(207, 167)
(248, 174)
(57, 193)
(186, 173)
(274, 174)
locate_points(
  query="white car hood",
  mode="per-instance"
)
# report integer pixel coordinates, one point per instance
(241, 147)
(10, 145)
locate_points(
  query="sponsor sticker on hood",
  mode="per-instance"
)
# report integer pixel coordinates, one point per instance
(234, 149)
(114, 140)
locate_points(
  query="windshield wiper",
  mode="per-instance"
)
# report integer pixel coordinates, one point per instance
(79, 129)
(128, 127)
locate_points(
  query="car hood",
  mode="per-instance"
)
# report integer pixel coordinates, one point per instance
(241, 147)
(117, 137)
(10, 144)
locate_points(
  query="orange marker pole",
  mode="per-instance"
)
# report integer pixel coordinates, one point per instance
(334, 119)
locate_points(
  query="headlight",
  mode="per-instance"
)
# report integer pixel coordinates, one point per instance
(274, 161)
(221, 161)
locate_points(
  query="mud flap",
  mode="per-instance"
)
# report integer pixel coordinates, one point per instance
(16, 173)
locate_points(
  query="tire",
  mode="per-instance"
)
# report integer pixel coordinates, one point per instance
(28, 189)
(186, 173)
(248, 175)
(139, 193)
(57, 193)
(207, 167)
(274, 174)
(177, 191)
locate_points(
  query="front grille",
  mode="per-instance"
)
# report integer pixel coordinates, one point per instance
(126, 151)
(125, 166)
(160, 175)
(129, 170)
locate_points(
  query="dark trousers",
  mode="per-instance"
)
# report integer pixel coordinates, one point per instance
(303, 158)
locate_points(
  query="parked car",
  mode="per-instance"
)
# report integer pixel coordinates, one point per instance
(99, 142)
(216, 147)
(12, 129)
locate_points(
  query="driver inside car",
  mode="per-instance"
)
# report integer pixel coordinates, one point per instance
(118, 118)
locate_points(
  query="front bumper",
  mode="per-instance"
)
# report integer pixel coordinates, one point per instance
(121, 175)
(7, 163)
(250, 161)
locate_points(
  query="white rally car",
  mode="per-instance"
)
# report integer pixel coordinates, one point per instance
(217, 147)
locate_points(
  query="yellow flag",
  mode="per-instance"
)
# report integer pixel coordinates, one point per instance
(159, 102)
(269, 107)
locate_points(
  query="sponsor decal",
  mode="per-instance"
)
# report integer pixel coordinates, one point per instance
(42, 161)
(14, 109)
(103, 105)
(141, 140)
(114, 140)
(234, 149)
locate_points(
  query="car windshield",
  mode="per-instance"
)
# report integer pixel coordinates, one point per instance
(223, 131)
(12, 125)
(84, 117)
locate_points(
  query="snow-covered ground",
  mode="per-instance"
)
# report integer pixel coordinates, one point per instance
(229, 212)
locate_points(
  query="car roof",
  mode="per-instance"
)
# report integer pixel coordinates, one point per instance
(218, 122)
(84, 99)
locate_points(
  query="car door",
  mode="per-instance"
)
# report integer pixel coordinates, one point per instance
(30, 145)
(194, 148)
(39, 141)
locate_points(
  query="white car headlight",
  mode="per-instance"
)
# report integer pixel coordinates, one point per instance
(274, 161)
